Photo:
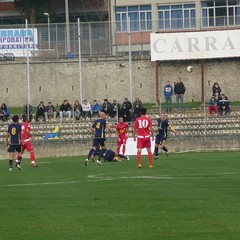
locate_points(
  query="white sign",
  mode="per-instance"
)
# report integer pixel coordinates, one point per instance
(17, 41)
(195, 45)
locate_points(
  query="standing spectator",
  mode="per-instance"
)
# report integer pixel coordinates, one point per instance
(107, 107)
(168, 92)
(41, 109)
(223, 105)
(86, 107)
(126, 110)
(50, 111)
(179, 91)
(4, 113)
(115, 108)
(65, 110)
(28, 111)
(213, 107)
(77, 110)
(137, 106)
(216, 90)
(95, 109)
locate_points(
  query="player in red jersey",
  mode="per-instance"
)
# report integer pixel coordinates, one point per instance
(25, 138)
(143, 130)
(121, 131)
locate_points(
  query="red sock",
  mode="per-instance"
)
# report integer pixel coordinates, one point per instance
(32, 155)
(139, 157)
(150, 157)
(123, 149)
(118, 150)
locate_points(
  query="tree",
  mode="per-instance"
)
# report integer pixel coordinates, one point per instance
(28, 8)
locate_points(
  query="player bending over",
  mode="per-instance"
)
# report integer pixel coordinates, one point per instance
(26, 143)
(121, 131)
(98, 127)
(14, 133)
(161, 137)
(143, 130)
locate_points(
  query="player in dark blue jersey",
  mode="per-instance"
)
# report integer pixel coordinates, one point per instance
(161, 137)
(13, 141)
(99, 128)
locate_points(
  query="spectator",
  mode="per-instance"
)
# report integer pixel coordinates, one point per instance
(168, 92)
(50, 111)
(86, 107)
(107, 107)
(115, 108)
(95, 109)
(77, 110)
(179, 91)
(213, 107)
(216, 90)
(4, 113)
(65, 110)
(28, 111)
(223, 105)
(41, 109)
(137, 106)
(126, 110)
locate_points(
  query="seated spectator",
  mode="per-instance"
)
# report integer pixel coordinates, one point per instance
(4, 112)
(213, 107)
(50, 111)
(41, 109)
(95, 109)
(86, 107)
(115, 109)
(126, 110)
(77, 110)
(107, 107)
(28, 111)
(223, 105)
(65, 110)
(137, 106)
(216, 90)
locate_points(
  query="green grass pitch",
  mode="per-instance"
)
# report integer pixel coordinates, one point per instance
(187, 196)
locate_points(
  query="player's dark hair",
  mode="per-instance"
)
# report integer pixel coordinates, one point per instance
(143, 111)
(25, 118)
(15, 118)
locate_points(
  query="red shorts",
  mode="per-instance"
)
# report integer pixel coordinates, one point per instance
(123, 140)
(28, 146)
(143, 143)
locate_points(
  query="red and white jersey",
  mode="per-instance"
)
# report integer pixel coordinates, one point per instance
(143, 125)
(122, 129)
(25, 131)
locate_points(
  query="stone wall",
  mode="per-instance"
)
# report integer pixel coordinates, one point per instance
(109, 78)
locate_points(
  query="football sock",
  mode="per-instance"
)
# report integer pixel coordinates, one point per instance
(90, 153)
(139, 157)
(156, 151)
(10, 163)
(118, 150)
(32, 155)
(123, 149)
(150, 157)
(19, 160)
(164, 149)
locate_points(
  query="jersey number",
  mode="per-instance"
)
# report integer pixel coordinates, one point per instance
(143, 123)
(98, 125)
(13, 131)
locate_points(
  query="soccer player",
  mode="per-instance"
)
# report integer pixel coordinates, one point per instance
(14, 133)
(98, 127)
(26, 144)
(121, 131)
(109, 155)
(161, 137)
(143, 129)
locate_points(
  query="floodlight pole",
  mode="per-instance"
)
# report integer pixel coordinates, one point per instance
(48, 18)
(130, 59)
(28, 76)
(80, 62)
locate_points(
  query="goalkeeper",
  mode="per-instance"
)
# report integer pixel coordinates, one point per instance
(161, 137)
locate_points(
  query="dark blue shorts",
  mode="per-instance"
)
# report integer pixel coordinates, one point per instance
(15, 148)
(99, 142)
(160, 139)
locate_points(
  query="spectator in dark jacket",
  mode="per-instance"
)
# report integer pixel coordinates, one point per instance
(126, 110)
(50, 111)
(4, 113)
(168, 92)
(65, 110)
(137, 106)
(179, 91)
(77, 107)
(28, 111)
(216, 90)
(107, 107)
(223, 105)
(41, 109)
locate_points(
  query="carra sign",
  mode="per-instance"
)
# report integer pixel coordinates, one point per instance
(195, 45)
